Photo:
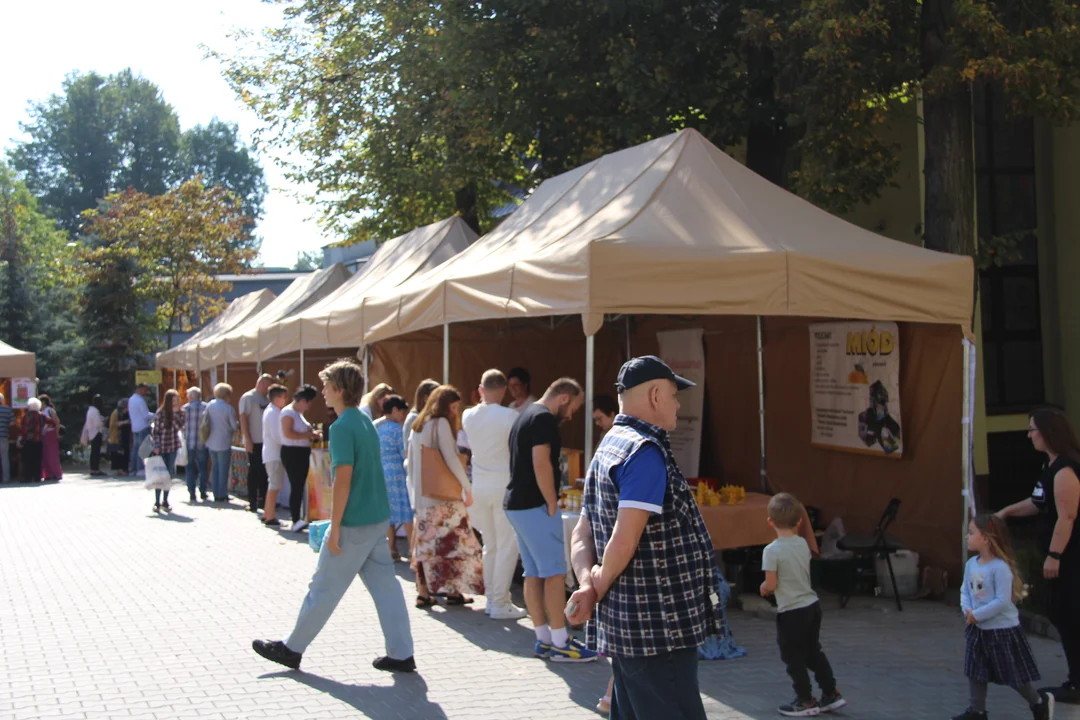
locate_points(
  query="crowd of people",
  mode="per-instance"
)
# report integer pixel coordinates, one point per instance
(30, 444)
(475, 490)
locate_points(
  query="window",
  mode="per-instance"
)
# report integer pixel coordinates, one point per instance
(1005, 192)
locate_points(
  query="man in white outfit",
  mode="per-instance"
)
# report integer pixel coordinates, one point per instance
(488, 428)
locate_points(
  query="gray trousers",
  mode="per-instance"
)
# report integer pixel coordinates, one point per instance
(363, 551)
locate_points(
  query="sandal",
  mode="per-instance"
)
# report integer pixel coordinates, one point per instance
(458, 600)
(604, 706)
(423, 602)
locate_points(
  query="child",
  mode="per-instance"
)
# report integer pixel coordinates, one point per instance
(997, 649)
(786, 563)
(271, 452)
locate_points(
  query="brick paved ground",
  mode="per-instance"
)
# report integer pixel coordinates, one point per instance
(107, 611)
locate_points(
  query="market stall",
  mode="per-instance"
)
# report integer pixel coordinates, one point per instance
(185, 355)
(674, 235)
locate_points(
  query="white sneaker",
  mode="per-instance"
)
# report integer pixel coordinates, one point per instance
(508, 612)
(299, 525)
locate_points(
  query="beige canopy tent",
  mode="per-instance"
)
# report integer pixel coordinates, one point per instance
(242, 343)
(334, 321)
(16, 363)
(185, 355)
(674, 232)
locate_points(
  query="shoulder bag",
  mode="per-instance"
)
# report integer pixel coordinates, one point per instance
(437, 481)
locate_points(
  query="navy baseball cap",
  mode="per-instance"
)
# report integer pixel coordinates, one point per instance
(644, 369)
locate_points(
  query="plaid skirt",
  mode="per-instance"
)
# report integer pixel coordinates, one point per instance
(999, 656)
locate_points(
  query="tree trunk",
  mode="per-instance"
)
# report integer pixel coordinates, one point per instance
(949, 164)
(465, 204)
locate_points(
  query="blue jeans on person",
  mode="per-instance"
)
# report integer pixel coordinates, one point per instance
(170, 463)
(198, 464)
(364, 551)
(136, 463)
(220, 464)
(657, 686)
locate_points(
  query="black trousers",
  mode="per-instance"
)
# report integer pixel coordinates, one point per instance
(296, 460)
(257, 483)
(658, 686)
(95, 453)
(798, 635)
(31, 461)
(1063, 608)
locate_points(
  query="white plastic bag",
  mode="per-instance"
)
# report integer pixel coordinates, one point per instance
(181, 454)
(146, 447)
(158, 476)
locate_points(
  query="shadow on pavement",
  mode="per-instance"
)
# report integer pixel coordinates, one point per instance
(172, 517)
(374, 701)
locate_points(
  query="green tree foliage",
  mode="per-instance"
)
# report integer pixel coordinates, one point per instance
(104, 134)
(171, 247)
(308, 261)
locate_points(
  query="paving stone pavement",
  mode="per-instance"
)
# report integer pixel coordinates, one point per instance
(108, 611)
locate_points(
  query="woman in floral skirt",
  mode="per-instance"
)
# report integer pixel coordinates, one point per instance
(391, 445)
(446, 554)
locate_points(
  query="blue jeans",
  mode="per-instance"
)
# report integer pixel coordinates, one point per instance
(657, 686)
(198, 464)
(170, 462)
(364, 551)
(136, 463)
(220, 464)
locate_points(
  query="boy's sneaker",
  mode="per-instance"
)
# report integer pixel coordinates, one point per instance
(1045, 709)
(970, 714)
(1064, 693)
(277, 651)
(573, 652)
(542, 650)
(831, 701)
(800, 708)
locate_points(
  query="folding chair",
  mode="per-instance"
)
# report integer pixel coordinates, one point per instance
(876, 545)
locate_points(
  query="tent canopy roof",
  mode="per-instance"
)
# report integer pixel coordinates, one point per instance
(15, 363)
(335, 320)
(182, 357)
(675, 226)
(241, 344)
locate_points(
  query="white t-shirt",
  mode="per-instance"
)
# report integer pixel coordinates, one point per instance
(518, 407)
(272, 437)
(488, 428)
(300, 426)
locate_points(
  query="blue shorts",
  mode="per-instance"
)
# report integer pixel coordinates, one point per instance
(540, 539)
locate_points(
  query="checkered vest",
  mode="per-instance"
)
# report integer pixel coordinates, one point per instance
(663, 600)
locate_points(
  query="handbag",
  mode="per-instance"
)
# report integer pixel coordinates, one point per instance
(158, 476)
(437, 482)
(147, 447)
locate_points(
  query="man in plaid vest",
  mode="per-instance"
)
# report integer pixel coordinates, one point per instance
(652, 589)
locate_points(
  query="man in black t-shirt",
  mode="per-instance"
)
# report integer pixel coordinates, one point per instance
(532, 507)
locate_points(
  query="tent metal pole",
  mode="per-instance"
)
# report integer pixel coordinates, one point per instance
(176, 380)
(301, 366)
(628, 354)
(226, 378)
(367, 368)
(446, 354)
(590, 381)
(761, 401)
(968, 438)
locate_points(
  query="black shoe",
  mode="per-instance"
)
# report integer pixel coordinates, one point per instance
(272, 522)
(832, 701)
(205, 497)
(157, 507)
(1067, 693)
(191, 497)
(1045, 709)
(389, 664)
(800, 708)
(278, 652)
(166, 507)
(970, 714)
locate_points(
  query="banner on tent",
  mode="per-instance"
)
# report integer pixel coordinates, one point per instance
(684, 351)
(22, 389)
(855, 387)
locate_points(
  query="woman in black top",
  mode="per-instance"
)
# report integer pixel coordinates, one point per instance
(1055, 501)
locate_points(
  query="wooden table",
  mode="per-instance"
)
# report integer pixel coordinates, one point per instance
(747, 525)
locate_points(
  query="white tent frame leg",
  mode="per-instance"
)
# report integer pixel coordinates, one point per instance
(968, 451)
(761, 400)
(446, 354)
(590, 382)
(301, 366)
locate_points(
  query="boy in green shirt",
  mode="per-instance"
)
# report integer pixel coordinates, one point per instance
(356, 541)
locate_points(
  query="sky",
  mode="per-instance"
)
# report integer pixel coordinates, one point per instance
(46, 40)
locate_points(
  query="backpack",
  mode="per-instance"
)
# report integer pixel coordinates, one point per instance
(204, 424)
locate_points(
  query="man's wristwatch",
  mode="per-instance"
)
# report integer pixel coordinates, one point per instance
(1054, 555)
